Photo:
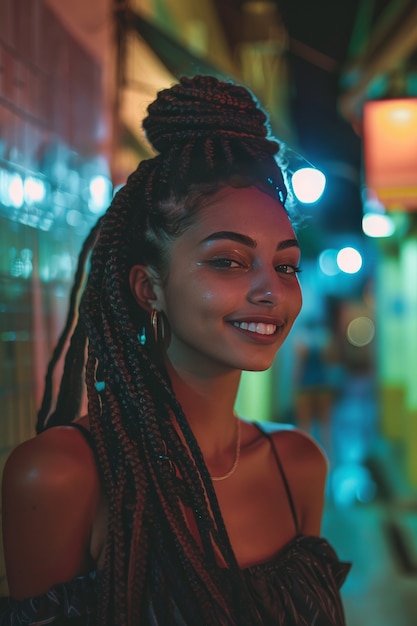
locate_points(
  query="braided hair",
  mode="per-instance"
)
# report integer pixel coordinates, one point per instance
(207, 134)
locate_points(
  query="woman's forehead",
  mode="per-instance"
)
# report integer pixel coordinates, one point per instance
(247, 208)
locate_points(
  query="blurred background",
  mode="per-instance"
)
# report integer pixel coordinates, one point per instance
(339, 81)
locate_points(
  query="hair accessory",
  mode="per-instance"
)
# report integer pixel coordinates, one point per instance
(100, 385)
(237, 456)
(165, 458)
(279, 187)
(142, 336)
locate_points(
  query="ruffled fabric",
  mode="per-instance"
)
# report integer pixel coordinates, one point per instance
(72, 603)
(298, 587)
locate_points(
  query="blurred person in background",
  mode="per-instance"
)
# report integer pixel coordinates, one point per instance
(318, 376)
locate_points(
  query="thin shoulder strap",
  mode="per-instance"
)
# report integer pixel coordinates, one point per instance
(283, 476)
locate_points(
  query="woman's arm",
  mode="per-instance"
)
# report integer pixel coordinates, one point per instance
(50, 495)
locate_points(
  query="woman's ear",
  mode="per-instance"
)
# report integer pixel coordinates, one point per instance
(144, 286)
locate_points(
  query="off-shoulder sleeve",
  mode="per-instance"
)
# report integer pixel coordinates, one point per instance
(72, 603)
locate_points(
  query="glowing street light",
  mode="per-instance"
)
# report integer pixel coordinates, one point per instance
(308, 184)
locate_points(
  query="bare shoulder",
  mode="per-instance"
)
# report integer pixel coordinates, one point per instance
(305, 466)
(50, 492)
(51, 457)
(296, 445)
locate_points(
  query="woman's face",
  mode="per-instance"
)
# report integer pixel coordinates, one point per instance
(232, 292)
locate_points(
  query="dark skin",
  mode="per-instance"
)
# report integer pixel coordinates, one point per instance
(55, 513)
(55, 518)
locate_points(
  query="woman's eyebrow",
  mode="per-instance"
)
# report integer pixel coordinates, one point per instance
(231, 235)
(246, 240)
(288, 243)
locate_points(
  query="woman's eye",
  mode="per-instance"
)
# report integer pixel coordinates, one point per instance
(224, 263)
(287, 269)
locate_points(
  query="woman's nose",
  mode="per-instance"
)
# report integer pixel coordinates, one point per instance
(264, 289)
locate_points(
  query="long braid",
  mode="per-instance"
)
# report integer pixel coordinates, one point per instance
(120, 345)
(207, 133)
(76, 350)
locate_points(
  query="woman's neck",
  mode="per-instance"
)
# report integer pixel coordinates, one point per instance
(208, 404)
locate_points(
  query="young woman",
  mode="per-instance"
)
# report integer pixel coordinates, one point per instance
(162, 506)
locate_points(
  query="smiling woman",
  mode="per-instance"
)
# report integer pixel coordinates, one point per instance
(228, 291)
(161, 505)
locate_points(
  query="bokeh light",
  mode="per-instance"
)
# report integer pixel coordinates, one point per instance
(328, 262)
(308, 184)
(349, 260)
(34, 190)
(100, 193)
(16, 191)
(377, 225)
(360, 331)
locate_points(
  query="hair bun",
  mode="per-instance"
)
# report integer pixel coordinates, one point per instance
(204, 106)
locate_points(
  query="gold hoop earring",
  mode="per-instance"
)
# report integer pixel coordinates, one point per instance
(154, 324)
(161, 330)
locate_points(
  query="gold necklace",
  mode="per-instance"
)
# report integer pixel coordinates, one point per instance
(237, 455)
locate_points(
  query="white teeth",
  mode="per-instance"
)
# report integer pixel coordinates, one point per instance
(260, 328)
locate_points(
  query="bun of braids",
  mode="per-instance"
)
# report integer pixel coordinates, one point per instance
(208, 131)
(206, 107)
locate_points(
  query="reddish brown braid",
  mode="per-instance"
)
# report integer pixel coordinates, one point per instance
(209, 134)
